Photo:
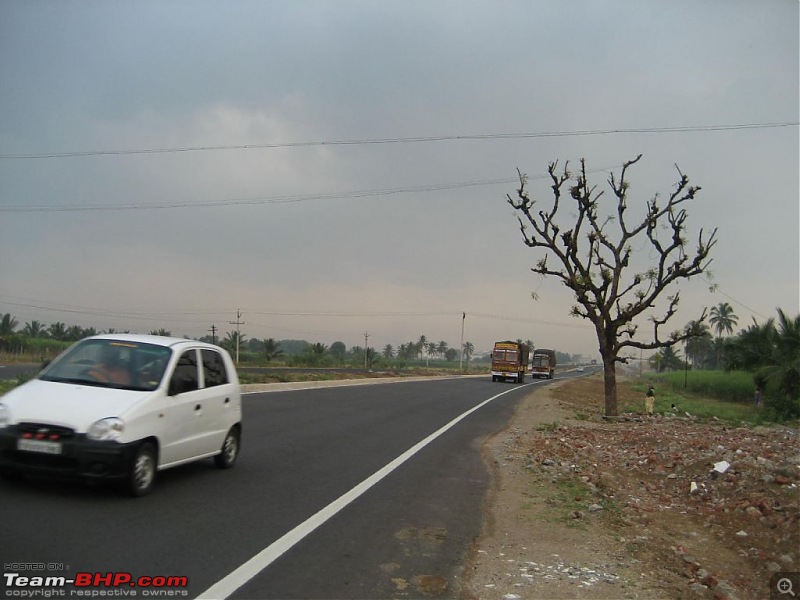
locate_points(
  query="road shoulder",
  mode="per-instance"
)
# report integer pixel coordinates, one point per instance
(663, 506)
(539, 539)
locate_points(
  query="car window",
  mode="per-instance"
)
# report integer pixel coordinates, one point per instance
(110, 363)
(214, 368)
(184, 378)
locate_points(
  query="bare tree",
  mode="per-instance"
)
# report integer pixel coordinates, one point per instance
(594, 253)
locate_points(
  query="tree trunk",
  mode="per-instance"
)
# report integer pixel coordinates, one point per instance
(610, 380)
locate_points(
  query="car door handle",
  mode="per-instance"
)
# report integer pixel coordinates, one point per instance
(198, 407)
(227, 400)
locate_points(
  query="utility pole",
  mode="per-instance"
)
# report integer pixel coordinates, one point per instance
(237, 322)
(213, 331)
(461, 360)
(366, 347)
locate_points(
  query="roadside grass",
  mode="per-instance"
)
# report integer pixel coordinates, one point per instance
(696, 405)
(548, 426)
(727, 396)
(283, 377)
(729, 386)
(565, 499)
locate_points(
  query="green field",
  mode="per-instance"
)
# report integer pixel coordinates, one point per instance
(728, 396)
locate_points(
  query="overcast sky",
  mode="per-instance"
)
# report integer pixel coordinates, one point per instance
(199, 166)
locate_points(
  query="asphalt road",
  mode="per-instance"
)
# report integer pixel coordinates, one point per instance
(302, 450)
(14, 370)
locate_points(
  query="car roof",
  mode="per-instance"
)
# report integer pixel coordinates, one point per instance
(158, 340)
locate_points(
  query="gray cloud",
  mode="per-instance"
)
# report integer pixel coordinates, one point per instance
(86, 76)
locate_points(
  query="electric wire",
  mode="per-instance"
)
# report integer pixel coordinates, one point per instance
(179, 316)
(404, 140)
(256, 201)
(260, 200)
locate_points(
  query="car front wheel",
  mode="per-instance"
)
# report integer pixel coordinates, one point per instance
(230, 449)
(142, 472)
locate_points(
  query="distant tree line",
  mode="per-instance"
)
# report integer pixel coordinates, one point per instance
(770, 351)
(304, 353)
(39, 340)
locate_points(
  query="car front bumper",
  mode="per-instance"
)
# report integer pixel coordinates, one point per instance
(55, 452)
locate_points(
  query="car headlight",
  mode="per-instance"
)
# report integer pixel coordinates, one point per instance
(5, 415)
(110, 428)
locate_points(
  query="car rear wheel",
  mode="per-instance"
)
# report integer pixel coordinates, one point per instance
(230, 449)
(142, 471)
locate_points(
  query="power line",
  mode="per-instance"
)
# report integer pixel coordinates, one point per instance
(404, 140)
(715, 288)
(436, 187)
(175, 315)
(264, 200)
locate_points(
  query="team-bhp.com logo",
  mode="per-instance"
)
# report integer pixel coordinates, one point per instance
(118, 583)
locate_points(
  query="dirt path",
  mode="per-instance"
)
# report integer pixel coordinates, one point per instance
(591, 509)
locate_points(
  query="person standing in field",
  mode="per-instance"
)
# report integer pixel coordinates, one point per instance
(649, 400)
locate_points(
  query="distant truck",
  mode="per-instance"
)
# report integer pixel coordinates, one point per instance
(510, 361)
(544, 363)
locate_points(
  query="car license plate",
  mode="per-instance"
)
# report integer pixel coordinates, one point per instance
(39, 446)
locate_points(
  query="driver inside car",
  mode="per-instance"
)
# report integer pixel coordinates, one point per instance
(110, 368)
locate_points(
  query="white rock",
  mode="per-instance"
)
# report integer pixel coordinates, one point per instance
(722, 466)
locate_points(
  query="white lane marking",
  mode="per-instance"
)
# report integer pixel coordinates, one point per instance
(240, 576)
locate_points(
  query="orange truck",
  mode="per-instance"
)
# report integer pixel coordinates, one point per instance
(544, 363)
(510, 361)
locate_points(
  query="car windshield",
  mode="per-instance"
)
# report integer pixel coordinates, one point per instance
(119, 364)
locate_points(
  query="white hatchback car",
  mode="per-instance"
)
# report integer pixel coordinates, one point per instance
(121, 407)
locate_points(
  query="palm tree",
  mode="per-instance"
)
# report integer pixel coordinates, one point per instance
(319, 349)
(388, 351)
(469, 350)
(430, 350)
(58, 331)
(34, 329)
(7, 324)
(752, 348)
(369, 357)
(772, 354)
(666, 359)
(272, 349)
(442, 348)
(723, 319)
(76, 332)
(784, 365)
(699, 345)
(232, 342)
(421, 345)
